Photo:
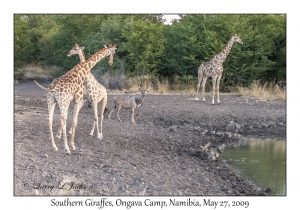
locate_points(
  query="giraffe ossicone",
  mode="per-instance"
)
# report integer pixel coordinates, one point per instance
(70, 87)
(214, 69)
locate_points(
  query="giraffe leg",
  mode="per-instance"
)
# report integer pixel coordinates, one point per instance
(81, 105)
(103, 105)
(58, 135)
(198, 86)
(94, 106)
(203, 88)
(51, 106)
(117, 113)
(77, 107)
(63, 122)
(92, 130)
(213, 90)
(132, 115)
(218, 84)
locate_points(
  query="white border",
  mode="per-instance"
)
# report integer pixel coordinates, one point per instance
(154, 6)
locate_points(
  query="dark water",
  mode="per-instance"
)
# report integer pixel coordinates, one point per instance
(263, 161)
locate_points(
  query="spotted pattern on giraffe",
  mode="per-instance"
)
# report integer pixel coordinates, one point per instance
(93, 91)
(73, 90)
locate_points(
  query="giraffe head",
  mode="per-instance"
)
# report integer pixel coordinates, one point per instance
(237, 38)
(75, 50)
(111, 52)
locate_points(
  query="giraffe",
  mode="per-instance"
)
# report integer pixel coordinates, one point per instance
(93, 91)
(69, 87)
(214, 69)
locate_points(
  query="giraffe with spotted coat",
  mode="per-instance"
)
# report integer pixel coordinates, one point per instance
(93, 91)
(69, 87)
(214, 69)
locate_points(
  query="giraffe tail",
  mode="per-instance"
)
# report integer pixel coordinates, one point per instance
(40, 86)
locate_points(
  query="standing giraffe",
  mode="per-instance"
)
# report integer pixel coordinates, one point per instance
(93, 91)
(69, 87)
(214, 68)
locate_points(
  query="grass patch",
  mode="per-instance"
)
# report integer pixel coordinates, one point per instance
(162, 85)
(34, 71)
(39, 71)
(186, 84)
(266, 91)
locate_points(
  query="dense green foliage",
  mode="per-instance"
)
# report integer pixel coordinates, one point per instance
(148, 47)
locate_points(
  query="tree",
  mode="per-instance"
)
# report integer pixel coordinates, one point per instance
(144, 46)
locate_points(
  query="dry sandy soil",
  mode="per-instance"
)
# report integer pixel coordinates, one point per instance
(160, 155)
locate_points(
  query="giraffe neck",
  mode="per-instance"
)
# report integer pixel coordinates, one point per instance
(81, 56)
(94, 59)
(224, 53)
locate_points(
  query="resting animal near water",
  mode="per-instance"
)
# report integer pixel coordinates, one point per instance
(130, 102)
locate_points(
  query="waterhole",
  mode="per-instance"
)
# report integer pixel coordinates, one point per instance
(263, 161)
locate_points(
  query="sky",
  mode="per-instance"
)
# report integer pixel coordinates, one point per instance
(170, 17)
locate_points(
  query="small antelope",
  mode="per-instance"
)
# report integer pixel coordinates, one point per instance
(213, 153)
(130, 102)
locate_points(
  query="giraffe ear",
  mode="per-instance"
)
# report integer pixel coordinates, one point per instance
(81, 48)
(105, 46)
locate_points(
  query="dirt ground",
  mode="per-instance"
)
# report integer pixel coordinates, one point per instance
(160, 155)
